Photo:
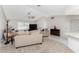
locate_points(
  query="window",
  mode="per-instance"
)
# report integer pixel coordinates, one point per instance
(22, 25)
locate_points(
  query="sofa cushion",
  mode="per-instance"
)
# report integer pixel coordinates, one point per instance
(35, 32)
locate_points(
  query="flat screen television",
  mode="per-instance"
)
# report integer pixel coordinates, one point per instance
(32, 27)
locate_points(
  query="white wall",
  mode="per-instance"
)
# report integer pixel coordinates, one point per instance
(42, 22)
(2, 23)
(61, 22)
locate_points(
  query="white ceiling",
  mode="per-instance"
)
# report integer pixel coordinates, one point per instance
(20, 11)
(73, 10)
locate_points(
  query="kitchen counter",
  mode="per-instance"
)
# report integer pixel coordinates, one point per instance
(73, 41)
(74, 34)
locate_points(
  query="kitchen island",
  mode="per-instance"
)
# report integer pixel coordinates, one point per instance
(73, 41)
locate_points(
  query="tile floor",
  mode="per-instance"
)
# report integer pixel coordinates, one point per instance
(48, 46)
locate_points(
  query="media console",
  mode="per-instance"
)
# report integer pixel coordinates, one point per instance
(55, 32)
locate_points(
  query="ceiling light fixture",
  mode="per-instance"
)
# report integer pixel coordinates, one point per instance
(52, 17)
(30, 16)
(38, 5)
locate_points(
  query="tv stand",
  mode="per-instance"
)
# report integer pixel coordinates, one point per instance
(55, 32)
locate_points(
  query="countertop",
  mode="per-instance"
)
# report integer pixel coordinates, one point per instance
(73, 34)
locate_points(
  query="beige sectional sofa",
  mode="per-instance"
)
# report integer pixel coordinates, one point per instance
(24, 39)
